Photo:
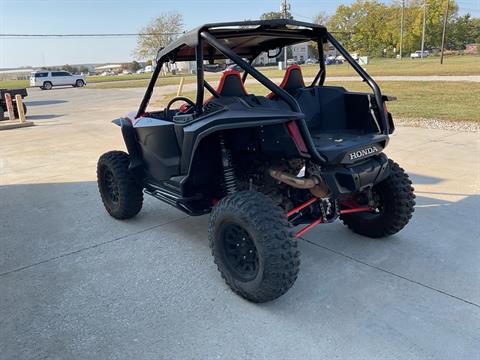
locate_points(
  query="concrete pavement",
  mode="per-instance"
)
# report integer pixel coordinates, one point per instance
(75, 283)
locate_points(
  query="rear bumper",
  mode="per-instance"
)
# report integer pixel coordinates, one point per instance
(356, 177)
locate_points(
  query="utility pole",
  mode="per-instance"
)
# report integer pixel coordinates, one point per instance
(423, 26)
(401, 28)
(445, 17)
(284, 7)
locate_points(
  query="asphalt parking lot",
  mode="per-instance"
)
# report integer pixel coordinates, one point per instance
(77, 284)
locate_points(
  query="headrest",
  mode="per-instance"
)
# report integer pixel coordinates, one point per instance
(293, 78)
(231, 84)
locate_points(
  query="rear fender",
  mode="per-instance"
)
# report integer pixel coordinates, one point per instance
(212, 132)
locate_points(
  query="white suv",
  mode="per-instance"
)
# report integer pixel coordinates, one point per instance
(418, 54)
(45, 80)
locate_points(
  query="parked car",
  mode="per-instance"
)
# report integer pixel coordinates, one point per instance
(332, 60)
(355, 56)
(311, 61)
(418, 54)
(126, 72)
(291, 62)
(140, 71)
(214, 67)
(45, 80)
(149, 68)
(234, 67)
(107, 73)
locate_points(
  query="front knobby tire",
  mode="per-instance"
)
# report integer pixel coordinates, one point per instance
(395, 205)
(253, 246)
(121, 194)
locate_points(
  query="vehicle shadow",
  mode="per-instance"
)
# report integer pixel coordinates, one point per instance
(64, 259)
(43, 117)
(439, 247)
(424, 179)
(62, 218)
(44, 102)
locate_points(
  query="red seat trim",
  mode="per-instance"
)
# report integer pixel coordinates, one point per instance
(227, 73)
(286, 77)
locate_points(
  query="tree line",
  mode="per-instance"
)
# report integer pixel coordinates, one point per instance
(369, 27)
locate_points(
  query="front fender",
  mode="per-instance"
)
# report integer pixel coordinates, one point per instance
(130, 139)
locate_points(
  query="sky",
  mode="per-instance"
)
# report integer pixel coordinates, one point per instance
(123, 16)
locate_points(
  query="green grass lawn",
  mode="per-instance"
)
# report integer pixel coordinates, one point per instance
(416, 99)
(13, 84)
(453, 65)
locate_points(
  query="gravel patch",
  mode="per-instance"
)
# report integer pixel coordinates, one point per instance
(467, 126)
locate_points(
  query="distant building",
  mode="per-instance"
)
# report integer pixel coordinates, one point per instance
(185, 66)
(15, 74)
(263, 59)
(108, 68)
(303, 51)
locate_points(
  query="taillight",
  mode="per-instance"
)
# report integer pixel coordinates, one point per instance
(296, 136)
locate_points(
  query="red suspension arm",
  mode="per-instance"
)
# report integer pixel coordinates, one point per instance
(320, 220)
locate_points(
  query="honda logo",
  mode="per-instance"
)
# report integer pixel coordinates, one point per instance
(361, 153)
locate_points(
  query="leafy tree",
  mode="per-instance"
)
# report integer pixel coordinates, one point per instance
(70, 68)
(159, 33)
(464, 30)
(134, 66)
(321, 18)
(363, 26)
(83, 69)
(369, 26)
(275, 15)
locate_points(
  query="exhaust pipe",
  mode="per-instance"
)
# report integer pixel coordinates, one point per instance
(313, 183)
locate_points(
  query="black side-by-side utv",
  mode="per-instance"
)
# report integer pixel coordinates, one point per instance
(262, 166)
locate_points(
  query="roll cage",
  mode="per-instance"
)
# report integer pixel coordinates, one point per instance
(248, 39)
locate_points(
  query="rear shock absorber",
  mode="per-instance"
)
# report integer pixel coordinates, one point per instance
(229, 177)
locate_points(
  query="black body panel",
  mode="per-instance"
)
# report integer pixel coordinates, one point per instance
(356, 177)
(238, 113)
(159, 147)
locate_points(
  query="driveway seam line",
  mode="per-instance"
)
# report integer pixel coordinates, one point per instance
(89, 247)
(391, 273)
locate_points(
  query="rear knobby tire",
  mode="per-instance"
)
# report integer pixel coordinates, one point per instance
(121, 194)
(397, 202)
(266, 239)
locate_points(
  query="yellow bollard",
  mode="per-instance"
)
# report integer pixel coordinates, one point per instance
(8, 102)
(180, 86)
(21, 113)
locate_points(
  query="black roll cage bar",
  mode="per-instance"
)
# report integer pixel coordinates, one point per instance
(205, 35)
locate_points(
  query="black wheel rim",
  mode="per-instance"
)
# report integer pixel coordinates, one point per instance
(110, 187)
(378, 202)
(239, 252)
